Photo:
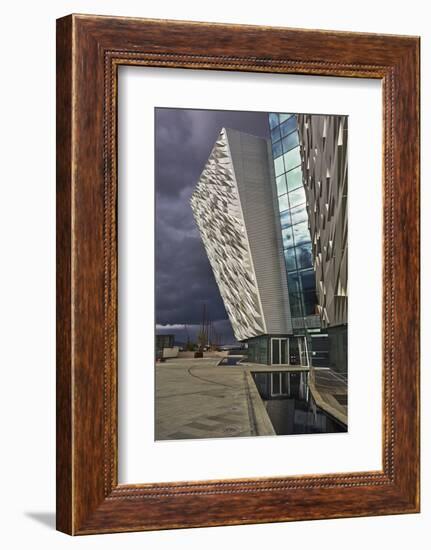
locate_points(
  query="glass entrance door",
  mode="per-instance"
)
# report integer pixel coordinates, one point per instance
(279, 351)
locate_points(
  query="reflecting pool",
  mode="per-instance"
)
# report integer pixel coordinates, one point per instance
(291, 406)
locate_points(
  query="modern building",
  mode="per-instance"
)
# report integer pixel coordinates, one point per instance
(253, 209)
(291, 208)
(324, 146)
(164, 341)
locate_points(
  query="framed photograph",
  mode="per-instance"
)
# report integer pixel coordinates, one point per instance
(237, 274)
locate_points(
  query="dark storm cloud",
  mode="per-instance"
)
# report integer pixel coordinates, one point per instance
(222, 329)
(184, 279)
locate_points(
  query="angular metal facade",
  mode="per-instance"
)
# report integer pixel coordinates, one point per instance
(233, 205)
(323, 141)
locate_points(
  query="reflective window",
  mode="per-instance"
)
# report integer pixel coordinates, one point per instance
(281, 185)
(290, 141)
(304, 256)
(293, 282)
(283, 203)
(273, 120)
(276, 149)
(294, 178)
(299, 214)
(301, 233)
(297, 249)
(308, 280)
(284, 116)
(275, 134)
(285, 219)
(310, 301)
(292, 159)
(289, 256)
(297, 197)
(288, 126)
(287, 237)
(295, 304)
(278, 166)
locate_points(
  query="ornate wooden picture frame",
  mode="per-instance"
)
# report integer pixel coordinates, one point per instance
(89, 51)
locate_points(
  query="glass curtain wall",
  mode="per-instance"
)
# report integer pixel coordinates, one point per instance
(293, 217)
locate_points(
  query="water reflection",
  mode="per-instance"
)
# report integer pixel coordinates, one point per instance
(291, 406)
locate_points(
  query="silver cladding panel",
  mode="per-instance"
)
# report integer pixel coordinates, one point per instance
(217, 211)
(257, 193)
(236, 222)
(324, 145)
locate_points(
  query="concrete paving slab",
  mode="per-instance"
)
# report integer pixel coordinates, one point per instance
(329, 390)
(197, 399)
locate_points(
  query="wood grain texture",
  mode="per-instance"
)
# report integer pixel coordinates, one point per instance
(90, 49)
(64, 496)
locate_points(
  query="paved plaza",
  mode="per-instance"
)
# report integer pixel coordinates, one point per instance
(195, 398)
(199, 399)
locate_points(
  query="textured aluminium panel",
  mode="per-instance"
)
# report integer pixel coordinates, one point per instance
(233, 208)
(256, 188)
(324, 148)
(217, 211)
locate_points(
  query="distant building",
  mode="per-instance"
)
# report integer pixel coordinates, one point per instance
(164, 341)
(261, 211)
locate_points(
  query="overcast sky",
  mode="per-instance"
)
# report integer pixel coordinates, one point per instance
(184, 279)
